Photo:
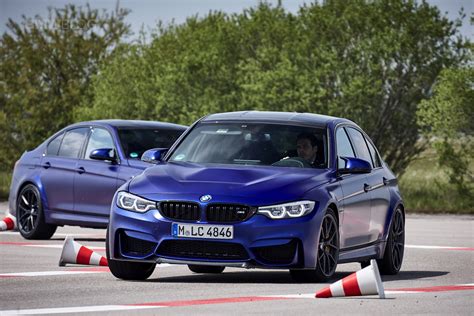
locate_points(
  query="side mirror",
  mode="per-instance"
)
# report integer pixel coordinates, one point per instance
(355, 165)
(154, 155)
(104, 154)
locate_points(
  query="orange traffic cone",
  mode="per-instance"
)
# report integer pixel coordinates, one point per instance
(8, 223)
(74, 252)
(363, 282)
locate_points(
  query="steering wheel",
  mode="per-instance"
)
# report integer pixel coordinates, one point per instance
(296, 162)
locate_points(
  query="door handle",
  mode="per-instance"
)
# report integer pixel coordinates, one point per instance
(367, 187)
(80, 170)
(385, 181)
(46, 165)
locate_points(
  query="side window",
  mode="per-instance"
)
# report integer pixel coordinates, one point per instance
(344, 147)
(53, 146)
(360, 144)
(374, 154)
(72, 142)
(100, 138)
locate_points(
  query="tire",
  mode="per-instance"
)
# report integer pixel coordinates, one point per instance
(327, 252)
(205, 269)
(128, 270)
(30, 215)
(392, 260)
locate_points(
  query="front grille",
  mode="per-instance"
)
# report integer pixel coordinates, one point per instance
(186, 211)
(202, 250)
(135, 247)
(281, 254)
(228, 212)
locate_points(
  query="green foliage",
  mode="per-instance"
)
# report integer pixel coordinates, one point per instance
(447, 119)
(369, 61)
(46, 67)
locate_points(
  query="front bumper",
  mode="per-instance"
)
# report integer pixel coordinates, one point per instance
(258, 241)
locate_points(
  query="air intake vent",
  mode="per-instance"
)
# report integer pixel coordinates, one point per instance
(202, 250)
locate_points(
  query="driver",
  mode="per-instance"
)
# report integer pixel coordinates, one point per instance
(306, 146)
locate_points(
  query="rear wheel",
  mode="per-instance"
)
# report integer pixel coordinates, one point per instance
(128, 270)
(393, 256)
(30, 215)
(328, 253)
(205, 269)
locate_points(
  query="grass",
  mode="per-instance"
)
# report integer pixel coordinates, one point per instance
(425, 188)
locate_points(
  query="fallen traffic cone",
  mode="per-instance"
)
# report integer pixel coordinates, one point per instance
(8, 223)
(74, 252)
(363, 282)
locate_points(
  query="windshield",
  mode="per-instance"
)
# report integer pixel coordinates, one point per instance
(254, 144)
(135, 141)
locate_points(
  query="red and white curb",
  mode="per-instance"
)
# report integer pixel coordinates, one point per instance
(439, 247)
(213, 301)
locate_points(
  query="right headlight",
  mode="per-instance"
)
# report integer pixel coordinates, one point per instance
(131, 202)
(287, 210)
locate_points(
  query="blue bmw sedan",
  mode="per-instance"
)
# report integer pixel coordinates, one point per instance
(71, 178)
(293, 191)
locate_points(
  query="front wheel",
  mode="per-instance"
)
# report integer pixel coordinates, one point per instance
(205, 269)
(30, 215)
(393, 256)
(327, 252)
(128, 270)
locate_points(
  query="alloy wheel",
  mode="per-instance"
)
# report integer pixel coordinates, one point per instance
(328, 246)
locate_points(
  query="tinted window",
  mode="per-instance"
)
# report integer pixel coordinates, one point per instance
(53, 146)
(375, 157)
(360, 145)
(72, 142)
(251, 144)
(344, 147)
(136, 141)
(100, 138)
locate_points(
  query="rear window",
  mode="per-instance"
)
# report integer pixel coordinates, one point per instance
(135, 141)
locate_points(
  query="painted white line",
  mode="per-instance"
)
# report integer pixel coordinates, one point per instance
(437, 247)
(15, 233)
(47, 273)
(65, 272)
(81, 309)
(61, 246)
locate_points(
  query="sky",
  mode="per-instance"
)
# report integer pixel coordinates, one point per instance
(147, 13)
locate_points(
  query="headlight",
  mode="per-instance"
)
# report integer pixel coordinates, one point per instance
(287, 210)
(134, 203)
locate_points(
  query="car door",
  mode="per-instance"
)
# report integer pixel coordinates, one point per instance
(376, 189)
(59, 168)
(355, 221)
(379, 182)
(95, 181)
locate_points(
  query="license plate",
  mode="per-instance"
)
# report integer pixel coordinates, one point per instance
(202, 231)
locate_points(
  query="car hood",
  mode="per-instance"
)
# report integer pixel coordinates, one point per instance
(257, 185)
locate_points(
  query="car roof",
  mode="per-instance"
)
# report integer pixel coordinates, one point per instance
(132, 124)
(293, 117)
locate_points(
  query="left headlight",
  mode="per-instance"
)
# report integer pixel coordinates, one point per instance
(287, 210)
(134, 203)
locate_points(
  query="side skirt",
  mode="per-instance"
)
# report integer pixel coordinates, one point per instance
(373, 250)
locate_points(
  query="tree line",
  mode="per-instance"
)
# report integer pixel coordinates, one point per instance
(378, 63)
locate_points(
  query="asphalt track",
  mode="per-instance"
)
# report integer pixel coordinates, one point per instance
(437, 277)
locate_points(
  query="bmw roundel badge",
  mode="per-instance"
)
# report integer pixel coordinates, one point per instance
(205, 198)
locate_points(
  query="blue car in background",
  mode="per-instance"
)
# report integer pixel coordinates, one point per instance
(71, 178)
(293, 191)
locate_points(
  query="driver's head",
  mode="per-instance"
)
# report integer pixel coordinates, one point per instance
(306, 147)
